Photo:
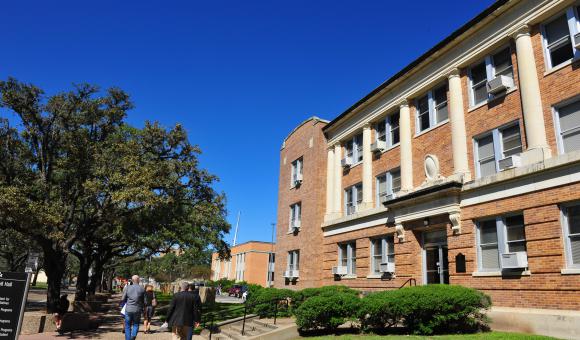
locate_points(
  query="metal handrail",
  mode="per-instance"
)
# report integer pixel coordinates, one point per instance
(411, 281)
(212, 315)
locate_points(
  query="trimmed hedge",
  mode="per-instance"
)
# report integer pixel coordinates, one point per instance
(430, 309)
(327, 311)
(261, 301)
(307, 293)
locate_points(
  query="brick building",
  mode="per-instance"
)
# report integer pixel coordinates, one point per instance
(463, 168)
(252, 261)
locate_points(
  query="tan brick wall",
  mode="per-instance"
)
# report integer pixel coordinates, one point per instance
(256, 262)
(312, 195)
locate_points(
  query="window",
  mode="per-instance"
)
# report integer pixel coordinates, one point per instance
(498, 64)
(271, 261)
(352, 198)
(499, 236)
(295, 215)
(568, 127)
(294, 261)
(432, 108)
(382, 251)
(354, 149)
(388, 130)
(240, 266)
(558, 35)
(494, 146)
(347, 257)
(388, 183)
(571, 219)
(296, 176)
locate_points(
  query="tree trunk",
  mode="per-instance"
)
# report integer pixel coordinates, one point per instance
(82, 279)
(36, 276)
(55, 266)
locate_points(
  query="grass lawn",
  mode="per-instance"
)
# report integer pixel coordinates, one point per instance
(222, 311)
(478, 336)
(40, 285)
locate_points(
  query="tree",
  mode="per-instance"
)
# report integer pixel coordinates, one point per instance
(75, 178)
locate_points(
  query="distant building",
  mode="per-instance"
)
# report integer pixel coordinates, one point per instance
(252, 261)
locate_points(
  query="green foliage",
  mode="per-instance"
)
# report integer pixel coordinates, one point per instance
(264, 300)
(477, 336)
(430, 309)
(307, 293)
(327, 311)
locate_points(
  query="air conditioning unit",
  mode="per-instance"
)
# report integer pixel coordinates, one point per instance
(295, 225)
(351, 209)
(346, 162)
(386, 198)
(516, 260)
(379, 146)
(387, 267)
(509, 162)
(288, 274)
(500, 83)
(298, 180)
(295, 274)
(577, 41)
(339, 270)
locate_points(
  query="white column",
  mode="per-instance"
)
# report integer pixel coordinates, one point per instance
(330, 184)
(458, 134)
(538, 148)
(337, 180)
(367, 175)
(405, 146)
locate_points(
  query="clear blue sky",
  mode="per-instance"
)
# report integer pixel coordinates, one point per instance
(239, 75)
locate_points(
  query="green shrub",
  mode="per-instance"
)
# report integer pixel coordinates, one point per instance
(327, 311)
(429, 309)
(261, 301)
(307, 293)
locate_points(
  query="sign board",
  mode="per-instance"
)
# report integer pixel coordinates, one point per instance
(13, 292)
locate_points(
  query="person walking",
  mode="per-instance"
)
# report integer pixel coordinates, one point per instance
(62, 308)
(180, 314)
(150, 304)
(134, 298)
(196, 310)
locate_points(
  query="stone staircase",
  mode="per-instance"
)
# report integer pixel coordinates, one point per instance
(232, 329)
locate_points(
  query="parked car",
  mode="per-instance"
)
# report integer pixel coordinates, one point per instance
(236, 291)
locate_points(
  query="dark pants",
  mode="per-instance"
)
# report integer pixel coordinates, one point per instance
(132, 319)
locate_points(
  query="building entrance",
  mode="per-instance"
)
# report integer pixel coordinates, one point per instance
(436, 262)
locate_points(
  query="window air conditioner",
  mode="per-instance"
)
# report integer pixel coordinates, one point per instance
(295, 274)
(288, 274)
(298, 180)
(387, 267)
(386, 198)
(577, 41)
(339, 270)
(509, 162)
(295, 225)
(379, 146)
(516, 260)
(499, 83)
(346, 162)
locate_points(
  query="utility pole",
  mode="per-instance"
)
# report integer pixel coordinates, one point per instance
(234, 244)
(271, 257)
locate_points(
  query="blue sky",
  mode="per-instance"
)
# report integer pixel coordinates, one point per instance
(239, 75)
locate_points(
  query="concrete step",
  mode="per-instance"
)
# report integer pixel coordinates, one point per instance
(264, 324)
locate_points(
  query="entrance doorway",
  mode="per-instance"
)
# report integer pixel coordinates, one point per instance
(436, 262)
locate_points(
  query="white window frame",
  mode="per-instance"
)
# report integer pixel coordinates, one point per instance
(297, 167)
(389, 135)
(240, 266)
(573, 19)
(490, 72)
(293, 261)
(350, 259)
(498, 147)
(566, 233)
(356, 149)
(357, 195)
(432, 104)
(389, 179)
(556, 117)
(295, 215)
(502, 242)
(384, 240)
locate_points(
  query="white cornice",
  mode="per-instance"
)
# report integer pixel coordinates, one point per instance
(466, 49)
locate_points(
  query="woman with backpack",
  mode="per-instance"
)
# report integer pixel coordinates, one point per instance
(149, 307)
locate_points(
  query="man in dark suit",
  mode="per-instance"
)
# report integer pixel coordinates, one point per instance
(180, 316)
